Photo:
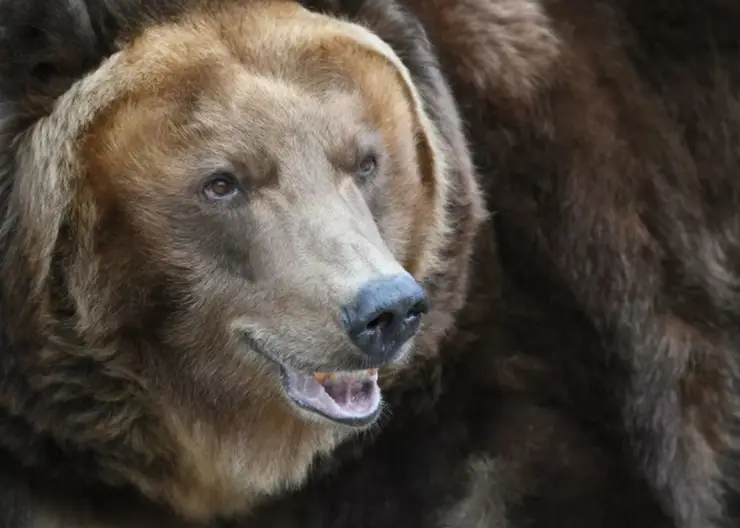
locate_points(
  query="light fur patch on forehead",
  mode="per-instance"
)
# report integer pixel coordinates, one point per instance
(337, 33)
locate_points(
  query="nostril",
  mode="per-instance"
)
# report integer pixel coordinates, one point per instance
(383, 320)
(419, 309)
(386, 320)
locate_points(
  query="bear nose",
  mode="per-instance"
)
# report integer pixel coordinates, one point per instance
(384, 315)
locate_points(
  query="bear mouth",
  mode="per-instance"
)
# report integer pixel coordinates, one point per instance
(347, 397)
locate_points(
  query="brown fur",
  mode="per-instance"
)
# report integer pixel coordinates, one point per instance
(616, 208)
(131, 296)
(587, 374)
(606, 134)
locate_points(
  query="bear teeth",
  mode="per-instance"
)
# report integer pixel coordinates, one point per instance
(324, 377)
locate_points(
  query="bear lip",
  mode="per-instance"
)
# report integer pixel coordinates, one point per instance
(350, 398)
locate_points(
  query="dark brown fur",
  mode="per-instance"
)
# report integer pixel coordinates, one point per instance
(591, 376)
(623, 210)
(607, 135)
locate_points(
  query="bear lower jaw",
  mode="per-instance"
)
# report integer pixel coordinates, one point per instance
(349, 398)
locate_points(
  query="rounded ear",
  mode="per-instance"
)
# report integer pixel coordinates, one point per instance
(47, 48)
(432, 151)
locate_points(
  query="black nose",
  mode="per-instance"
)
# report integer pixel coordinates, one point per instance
(386, 313)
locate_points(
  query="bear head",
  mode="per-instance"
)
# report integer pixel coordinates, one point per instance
(215, 238)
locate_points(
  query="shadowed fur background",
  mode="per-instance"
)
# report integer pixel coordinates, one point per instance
(591, 376)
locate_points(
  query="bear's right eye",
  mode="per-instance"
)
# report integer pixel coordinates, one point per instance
(221, 186)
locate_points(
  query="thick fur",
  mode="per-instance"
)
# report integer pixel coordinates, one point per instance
(608, 146)
(608, 140)
(138, 318)
(623, 210)
(590, 378)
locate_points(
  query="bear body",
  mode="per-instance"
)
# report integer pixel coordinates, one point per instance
(576, 367)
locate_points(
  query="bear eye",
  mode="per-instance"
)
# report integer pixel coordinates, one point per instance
(367, 167)
(220, 186)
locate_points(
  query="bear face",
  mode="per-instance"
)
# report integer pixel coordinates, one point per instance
(276, 185)
(195, 234)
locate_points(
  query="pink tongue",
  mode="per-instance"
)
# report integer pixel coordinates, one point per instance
(345, 391)
(340, 396)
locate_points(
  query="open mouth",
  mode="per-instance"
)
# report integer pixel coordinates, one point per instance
(350, 398)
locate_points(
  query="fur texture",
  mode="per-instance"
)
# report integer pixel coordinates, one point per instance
(607, 139)
(588, 370)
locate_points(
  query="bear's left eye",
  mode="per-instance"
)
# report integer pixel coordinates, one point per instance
(367, 168)
(221, 186)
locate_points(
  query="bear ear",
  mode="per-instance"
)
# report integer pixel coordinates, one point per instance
(45, 45)
(52, 54)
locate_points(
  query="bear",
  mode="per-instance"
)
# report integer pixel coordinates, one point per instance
(575, 364)
(222, 223)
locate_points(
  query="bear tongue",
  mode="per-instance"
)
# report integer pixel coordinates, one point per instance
(344, 387)
(340, 396)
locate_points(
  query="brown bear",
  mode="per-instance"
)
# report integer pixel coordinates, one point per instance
(221, 223)
(184, 231)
